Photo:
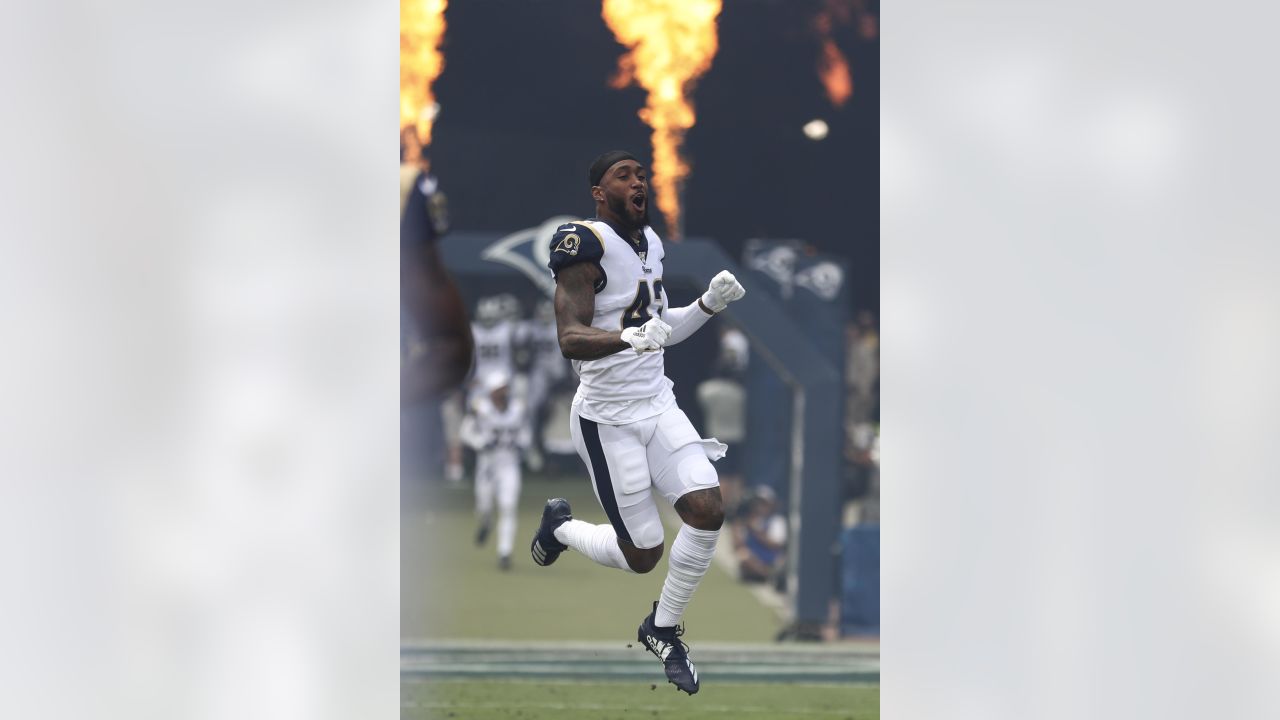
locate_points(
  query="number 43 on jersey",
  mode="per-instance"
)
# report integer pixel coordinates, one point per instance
(638, 312)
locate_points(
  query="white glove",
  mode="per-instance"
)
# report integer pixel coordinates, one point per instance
(648, 337)
(724, 289)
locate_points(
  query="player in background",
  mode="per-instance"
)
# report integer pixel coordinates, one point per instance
(547, 367)
(613, 319)
(494, 336)
(497, 429)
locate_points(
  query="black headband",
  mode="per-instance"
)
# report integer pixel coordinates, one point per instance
(606, 161)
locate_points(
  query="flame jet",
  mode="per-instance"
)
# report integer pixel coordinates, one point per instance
(671, 44)
(833, 69)
(421, 30)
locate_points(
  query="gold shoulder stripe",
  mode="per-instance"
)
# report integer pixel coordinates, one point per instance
(599, 239)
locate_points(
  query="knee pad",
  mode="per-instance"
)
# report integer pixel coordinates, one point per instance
(695, 471)
(646, 534)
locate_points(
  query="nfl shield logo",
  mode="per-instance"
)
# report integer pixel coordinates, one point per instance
(642, 260)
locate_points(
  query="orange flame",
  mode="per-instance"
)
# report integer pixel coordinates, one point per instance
(833, 68)
(672, 43)
(421, 29)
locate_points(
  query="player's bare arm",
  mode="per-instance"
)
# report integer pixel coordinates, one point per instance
(575, 304)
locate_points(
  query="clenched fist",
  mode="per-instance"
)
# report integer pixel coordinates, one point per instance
(648, 337)
(724, 289)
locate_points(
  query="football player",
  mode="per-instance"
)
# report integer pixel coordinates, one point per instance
(494, 337)
(497, 430)
(614, 320)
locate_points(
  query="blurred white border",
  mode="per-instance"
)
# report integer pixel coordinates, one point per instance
(199, 377)
(1080, 310)
(200, 372)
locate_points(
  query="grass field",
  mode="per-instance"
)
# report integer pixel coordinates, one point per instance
(555, 642)
(513, 699)
(450, 588)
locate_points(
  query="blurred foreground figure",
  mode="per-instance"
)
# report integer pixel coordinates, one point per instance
(497, 430)
(614, 318)
(439, 359)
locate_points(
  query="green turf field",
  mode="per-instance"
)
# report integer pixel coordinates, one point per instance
(452, 589)
(581, 700)
(557, 642)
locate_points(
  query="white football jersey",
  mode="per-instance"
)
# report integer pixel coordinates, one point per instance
(626, 386)
(544, 345)
(494, 348)
(500, 433)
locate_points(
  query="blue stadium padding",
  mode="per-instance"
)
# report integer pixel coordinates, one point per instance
(860, 581)
(768, 455)
(767, 458)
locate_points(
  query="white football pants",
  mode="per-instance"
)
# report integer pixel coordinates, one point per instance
(498, 478)
(627, 462)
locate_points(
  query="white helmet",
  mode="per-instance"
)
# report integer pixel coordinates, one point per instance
(494, 379)
(510, 306)
(489, 310)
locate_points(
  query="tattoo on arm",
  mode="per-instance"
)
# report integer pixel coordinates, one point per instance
(575, 307)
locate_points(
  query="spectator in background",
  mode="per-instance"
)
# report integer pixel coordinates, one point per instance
(864, 492)
(760, 535)
(861, 427)
(862, 367)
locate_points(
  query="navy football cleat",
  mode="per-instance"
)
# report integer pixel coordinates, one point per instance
(665, 643)
(545, 548)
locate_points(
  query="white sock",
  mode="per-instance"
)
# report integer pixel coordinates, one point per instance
(506, 529)
(598, 542)
(691, 555)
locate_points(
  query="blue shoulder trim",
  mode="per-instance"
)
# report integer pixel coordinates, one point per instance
(575, 243)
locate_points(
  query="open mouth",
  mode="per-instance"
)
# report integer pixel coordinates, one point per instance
(637, 201)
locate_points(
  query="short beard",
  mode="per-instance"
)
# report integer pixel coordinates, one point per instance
(622, 208)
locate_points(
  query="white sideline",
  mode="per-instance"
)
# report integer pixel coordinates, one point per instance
(413, 704)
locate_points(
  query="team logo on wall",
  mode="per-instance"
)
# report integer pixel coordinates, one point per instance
(824, 279)
(528, 251)
(776, 259)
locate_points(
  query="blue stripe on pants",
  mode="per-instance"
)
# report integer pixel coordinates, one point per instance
(604, 484)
